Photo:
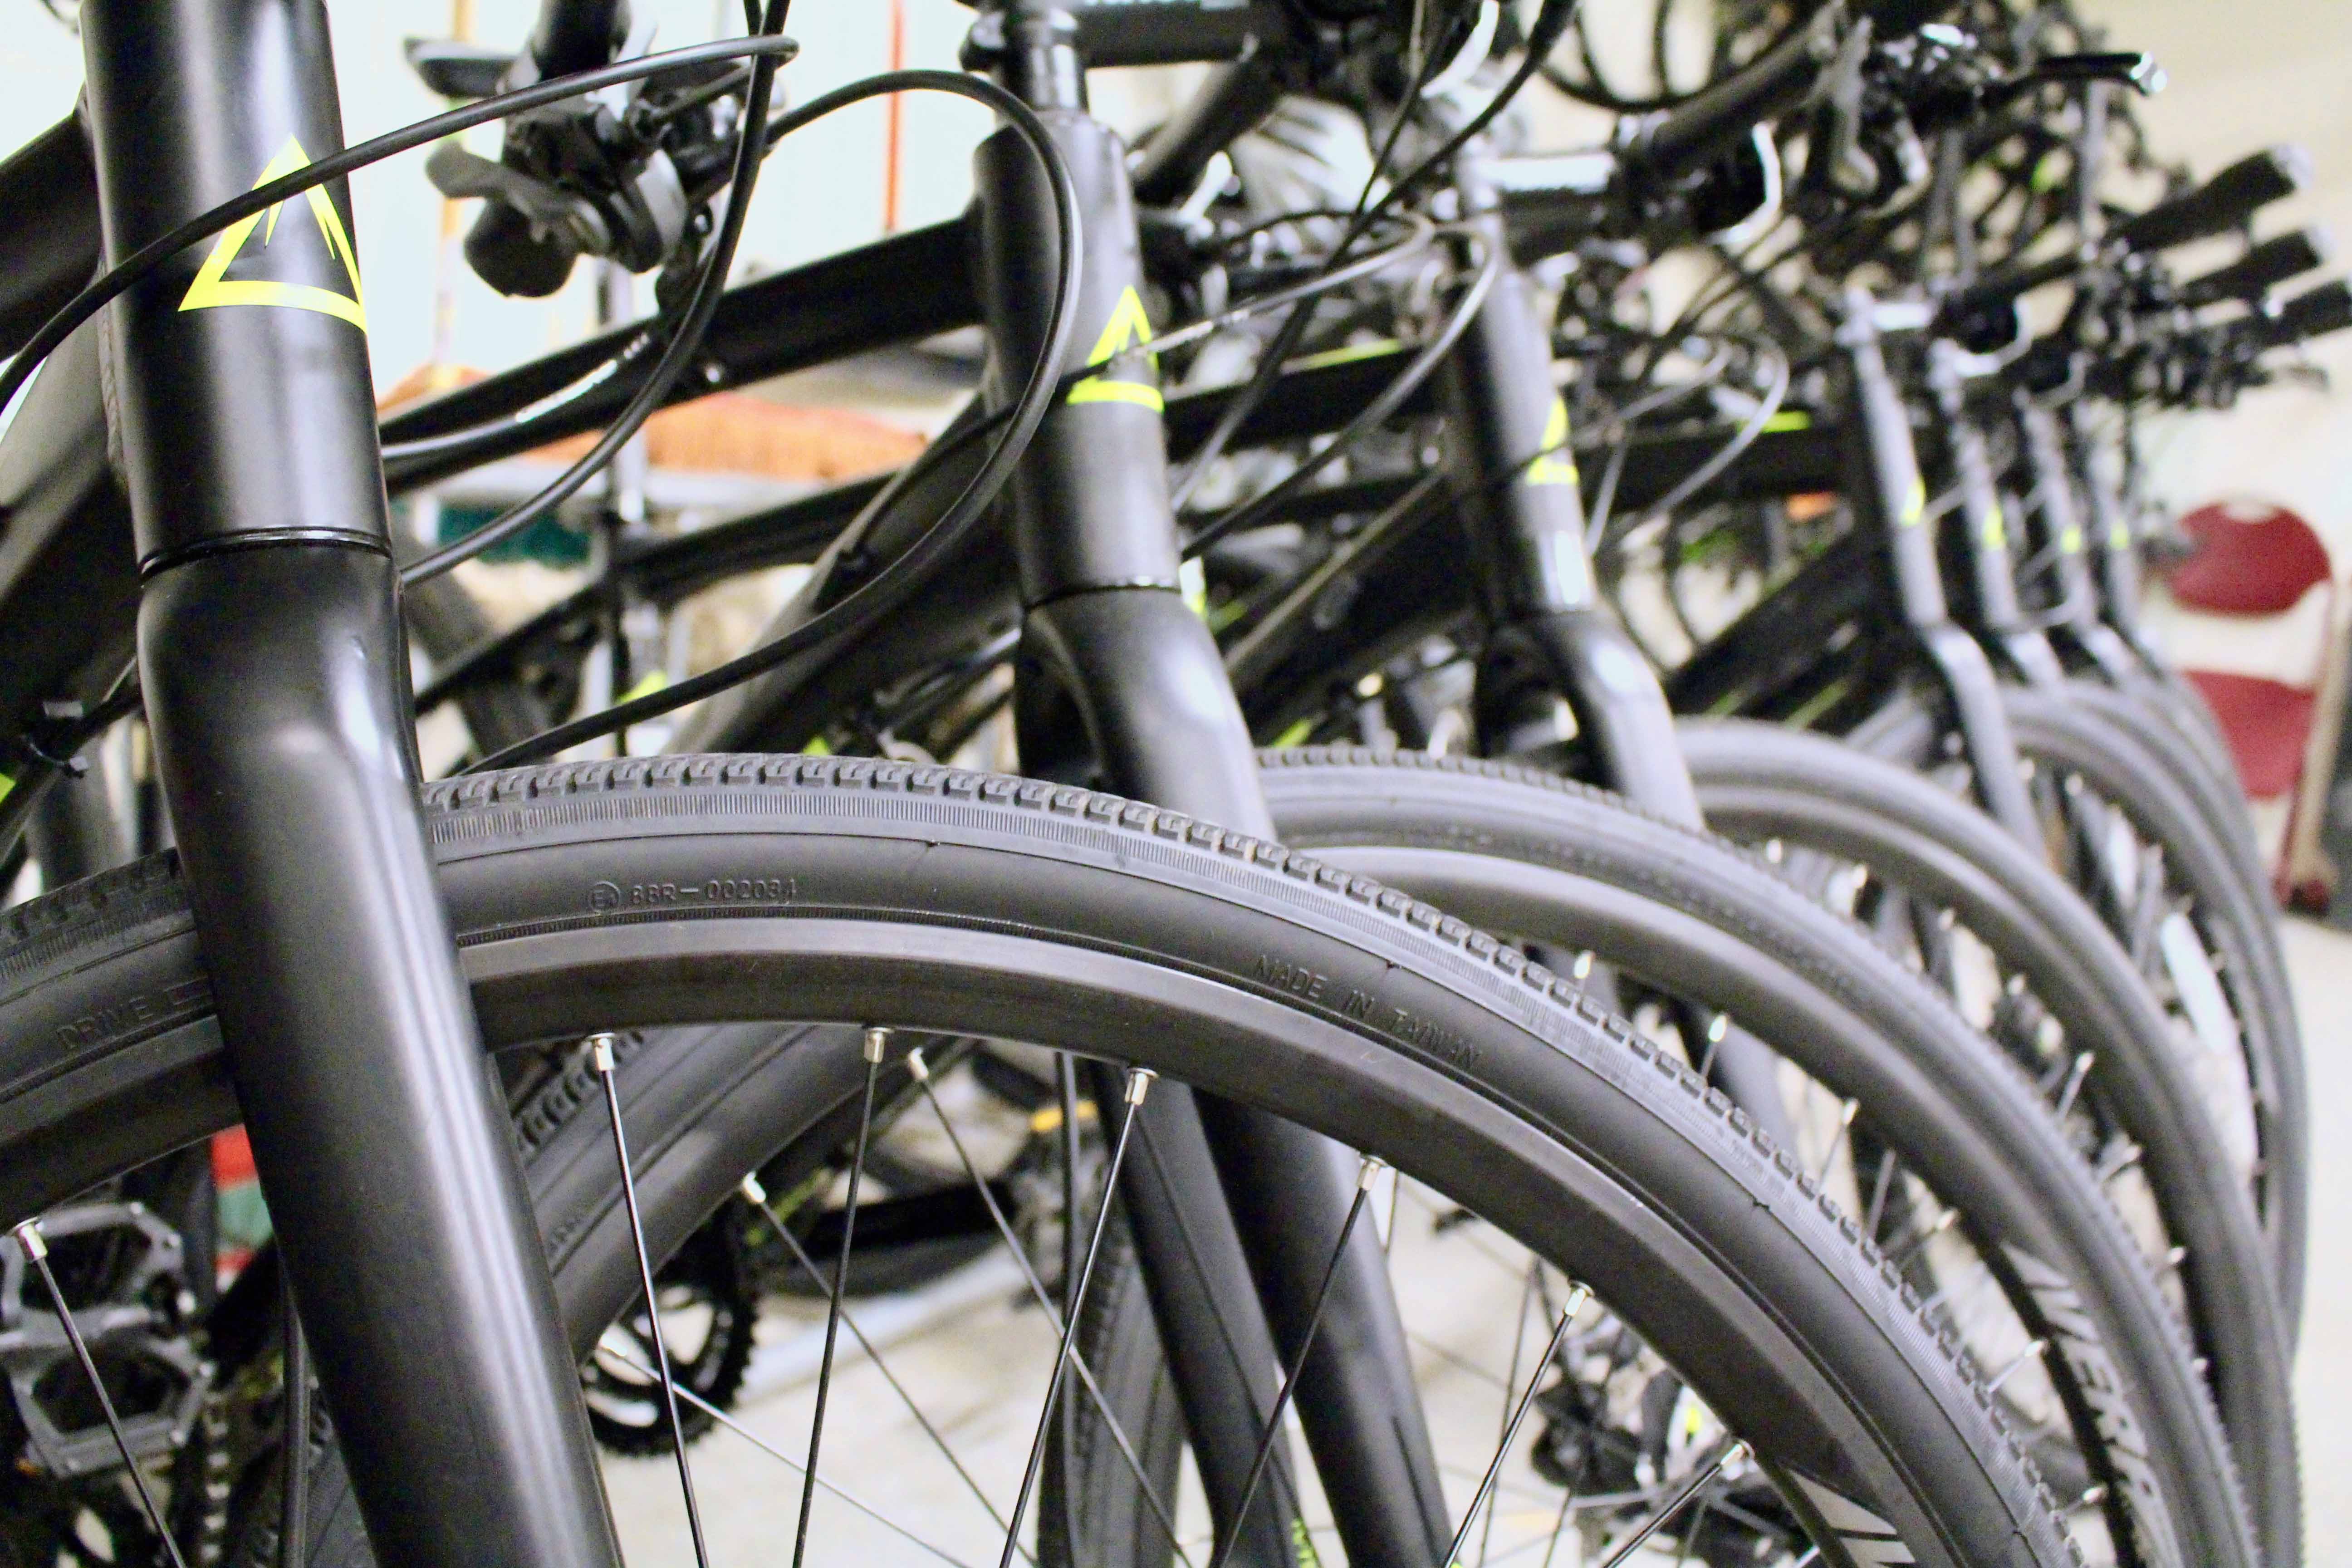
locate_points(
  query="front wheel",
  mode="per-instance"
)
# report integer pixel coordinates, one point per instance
(670, 901)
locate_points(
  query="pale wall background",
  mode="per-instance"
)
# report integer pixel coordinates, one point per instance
(2243, 74)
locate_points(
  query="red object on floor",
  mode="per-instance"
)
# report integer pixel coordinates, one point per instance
(2251, 560)
(2268, 723)
(2254, 560)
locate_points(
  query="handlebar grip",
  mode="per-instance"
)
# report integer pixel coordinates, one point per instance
(1232, 102)
(2264, 267)
(1688, 138)
(2221, 202)
(1176, 32)
(1901, 18)
(2315, 313)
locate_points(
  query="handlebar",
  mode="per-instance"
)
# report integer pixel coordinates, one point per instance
(2221, 202)
(2264, 267)
(2314, 313)
(1175, 32)
(577, 35)
(1683, 141)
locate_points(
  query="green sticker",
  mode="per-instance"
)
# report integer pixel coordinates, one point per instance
(1788, 419)
(1348, 355)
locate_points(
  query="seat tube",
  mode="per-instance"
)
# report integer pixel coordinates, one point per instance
(1257, 1200)
(271, 656)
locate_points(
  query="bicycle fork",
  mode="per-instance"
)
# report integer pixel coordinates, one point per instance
(1230, 1196)
(271, 656)
(1891, 499)
(1515, 478)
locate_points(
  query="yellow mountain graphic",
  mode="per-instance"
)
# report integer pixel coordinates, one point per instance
(1128, 326)
(213, 286)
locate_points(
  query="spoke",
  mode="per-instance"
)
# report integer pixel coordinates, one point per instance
(852, 1498)
(1944, 1222)
(1717, 1028)
(1837, 1140)
(1690, 1488)
(2033, 1349)
(759, 1197)
(294, 1503)
(36, 1249)
(1879, 1191)
(2121, 1158)
(1576, 1300)
(2075, 1077)
(1510, 1381)
(1365, 1177)
(1560, 1525)
(922, 1075)
(1139, 1084)
(602, 1047)
(877, 1042)
(1066, 1088)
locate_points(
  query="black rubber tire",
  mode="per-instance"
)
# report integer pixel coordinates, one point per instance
(2240, 923)
(445, 621)
(1508, 847)
(2238, 929)
(672, 890)
(2150, 715)
(1759, 782)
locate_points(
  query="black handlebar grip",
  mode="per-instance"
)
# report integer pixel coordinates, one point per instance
(1690, 138)
(578, 34)
(2221, 202)
(1176, 32)
(1901, 18)
(2261, 269)
(2315, 313)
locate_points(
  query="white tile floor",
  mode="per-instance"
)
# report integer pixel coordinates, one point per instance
(991, 1357)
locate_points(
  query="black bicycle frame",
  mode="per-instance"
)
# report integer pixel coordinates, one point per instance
(1106, 630)
(274, 667)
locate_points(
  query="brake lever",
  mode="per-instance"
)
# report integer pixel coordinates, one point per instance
(551, 211)
(2125, 67)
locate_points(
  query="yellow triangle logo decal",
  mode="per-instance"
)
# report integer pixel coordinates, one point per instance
(1128, 326)
(1555, 465)
(214, 287)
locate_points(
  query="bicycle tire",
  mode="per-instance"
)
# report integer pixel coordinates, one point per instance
(2147, 714)
(2051, 732)
(857, 891)
(2239, 920)
(1757, 781)
(1479, 836)
(1552, 860)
